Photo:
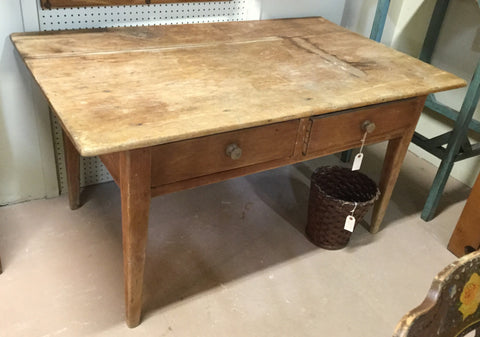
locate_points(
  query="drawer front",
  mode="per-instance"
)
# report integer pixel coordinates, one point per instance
(208, 155)
(343, 130)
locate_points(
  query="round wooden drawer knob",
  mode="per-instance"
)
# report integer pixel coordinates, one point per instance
(234, 151)
(368, 126)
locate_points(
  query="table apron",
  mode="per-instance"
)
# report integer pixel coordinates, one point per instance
(201, 161)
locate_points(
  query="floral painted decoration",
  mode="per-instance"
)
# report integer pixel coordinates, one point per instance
(470, 297)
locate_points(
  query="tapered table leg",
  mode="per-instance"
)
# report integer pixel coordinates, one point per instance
(396, 151)
(135, 180)
(72, 163)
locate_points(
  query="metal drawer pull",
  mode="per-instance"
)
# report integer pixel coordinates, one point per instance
(233, 151)
(368, 126)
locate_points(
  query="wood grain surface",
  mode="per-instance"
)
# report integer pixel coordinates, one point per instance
(466, 235)
(207, 155)
(126, 88)
(72, 161)
(135, 196)
(334, 132)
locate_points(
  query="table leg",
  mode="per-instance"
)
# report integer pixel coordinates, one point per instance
(72, 163)
(466, 236)
(135, 180)
(396, 151)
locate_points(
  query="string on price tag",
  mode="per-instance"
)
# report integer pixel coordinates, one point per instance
(350, 220)
(357, 162)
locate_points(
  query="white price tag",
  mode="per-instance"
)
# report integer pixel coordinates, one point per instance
(357, 162)
(349, 223)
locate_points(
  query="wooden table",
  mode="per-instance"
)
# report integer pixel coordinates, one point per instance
(173, 107)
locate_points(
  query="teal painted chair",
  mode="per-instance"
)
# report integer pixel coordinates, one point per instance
(458, 146)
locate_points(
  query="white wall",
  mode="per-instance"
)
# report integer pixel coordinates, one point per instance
(359, 14)
(331, 10)
(24, 173)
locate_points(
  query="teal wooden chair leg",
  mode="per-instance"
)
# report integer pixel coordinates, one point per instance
(379, 20)
(433, 31)
(376, 35)
(456, 140)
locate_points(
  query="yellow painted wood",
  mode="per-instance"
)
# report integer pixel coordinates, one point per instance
(126, 88)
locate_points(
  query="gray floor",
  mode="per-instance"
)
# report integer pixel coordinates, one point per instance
(229, 259)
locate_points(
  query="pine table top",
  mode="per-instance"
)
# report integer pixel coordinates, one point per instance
(123, 88)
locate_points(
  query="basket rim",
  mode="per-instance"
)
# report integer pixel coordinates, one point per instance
(344, 202)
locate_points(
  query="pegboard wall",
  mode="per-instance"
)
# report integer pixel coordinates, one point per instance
(146, 15)
(92, 169)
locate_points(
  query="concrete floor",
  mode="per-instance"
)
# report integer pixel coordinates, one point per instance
(229, 259)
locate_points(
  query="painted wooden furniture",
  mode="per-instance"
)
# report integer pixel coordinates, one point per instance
(458, 146)
(451, 306)
(466, 236)
(457, 141)
(173, 107)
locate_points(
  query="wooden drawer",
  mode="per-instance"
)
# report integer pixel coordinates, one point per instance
(342, 130)
(207, 155)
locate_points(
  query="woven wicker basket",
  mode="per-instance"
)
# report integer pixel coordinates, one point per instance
(333, 193)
